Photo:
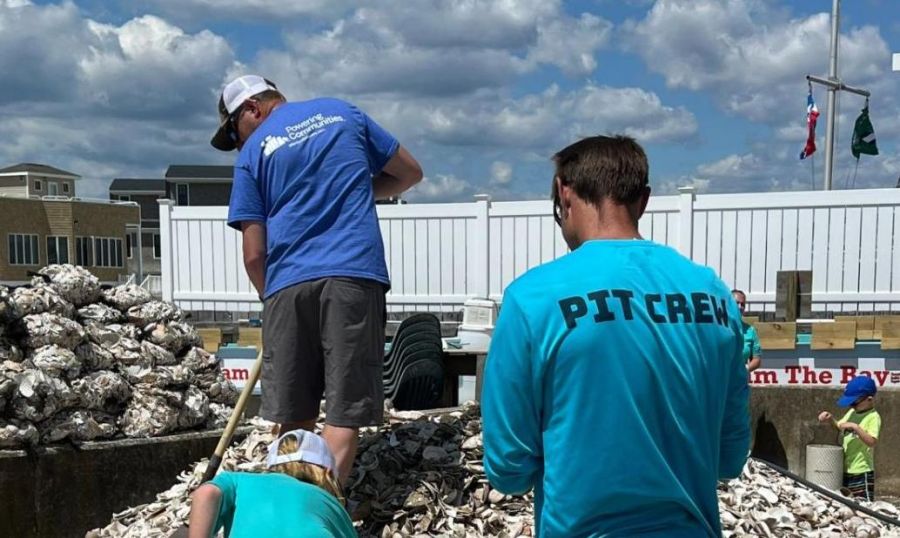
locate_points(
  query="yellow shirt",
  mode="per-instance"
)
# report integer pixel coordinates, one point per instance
(859, 457)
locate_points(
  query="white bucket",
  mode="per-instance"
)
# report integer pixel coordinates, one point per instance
(825, 466)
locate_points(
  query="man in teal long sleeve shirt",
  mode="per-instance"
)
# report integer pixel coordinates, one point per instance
(615, 385)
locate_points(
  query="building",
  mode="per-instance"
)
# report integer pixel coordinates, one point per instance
(185, 184)
(31, 179)
(44, 223)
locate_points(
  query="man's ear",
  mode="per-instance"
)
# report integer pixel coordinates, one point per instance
(644, 200)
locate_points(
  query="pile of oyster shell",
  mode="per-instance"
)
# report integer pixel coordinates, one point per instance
(83, 363)
(422, 475)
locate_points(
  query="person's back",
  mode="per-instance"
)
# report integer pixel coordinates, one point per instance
(274, 504)
(614, 386)
(307, 173)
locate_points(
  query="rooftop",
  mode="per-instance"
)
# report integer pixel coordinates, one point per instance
(192, 171)
(150, 186)
(35, 168)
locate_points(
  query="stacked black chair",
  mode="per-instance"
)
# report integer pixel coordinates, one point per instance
(414, 367)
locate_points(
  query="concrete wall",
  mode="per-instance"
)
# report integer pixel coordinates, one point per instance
(784, 422)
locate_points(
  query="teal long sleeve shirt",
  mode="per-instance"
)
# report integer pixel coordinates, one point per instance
(615, 387)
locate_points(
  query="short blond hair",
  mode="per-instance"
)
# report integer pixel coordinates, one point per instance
(307, 472)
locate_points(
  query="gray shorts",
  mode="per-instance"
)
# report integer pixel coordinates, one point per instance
(324, 338)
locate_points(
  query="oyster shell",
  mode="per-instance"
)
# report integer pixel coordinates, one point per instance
(99, 313)
(126, 296)
(56, 361)
(41, 298)
(48, 329)
(78, 425)
(154, 312)
(75, 284)
(102, 391)
(39, 396)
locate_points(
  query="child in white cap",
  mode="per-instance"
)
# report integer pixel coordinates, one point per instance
(300, 497)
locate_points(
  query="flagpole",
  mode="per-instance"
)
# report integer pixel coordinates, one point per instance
(832, 92)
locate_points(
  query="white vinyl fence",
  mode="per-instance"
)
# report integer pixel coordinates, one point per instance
(439, 255)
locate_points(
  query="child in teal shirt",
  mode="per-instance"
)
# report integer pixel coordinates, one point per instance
(299, 498)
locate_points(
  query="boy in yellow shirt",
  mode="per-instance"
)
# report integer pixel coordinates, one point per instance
(861, 427)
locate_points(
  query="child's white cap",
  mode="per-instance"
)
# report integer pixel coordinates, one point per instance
(310, 449)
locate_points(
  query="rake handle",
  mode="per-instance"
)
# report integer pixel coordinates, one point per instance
(216, 460)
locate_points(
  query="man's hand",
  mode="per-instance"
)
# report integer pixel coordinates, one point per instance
(254, 248)
(399, 175)
(825, 416)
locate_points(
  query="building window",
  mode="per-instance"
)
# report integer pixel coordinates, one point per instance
(23, 249)
(157, 246)
(57, 249)
(84, 254)
(65, 187)
(37, 184)
(121, 197)
(182, 194)
(108, 252)
(52, 188)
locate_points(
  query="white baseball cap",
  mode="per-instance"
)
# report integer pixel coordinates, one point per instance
(310, 449)
(233, 96)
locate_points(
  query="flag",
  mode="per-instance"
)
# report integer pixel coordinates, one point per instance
(863, 135)
(812, 114)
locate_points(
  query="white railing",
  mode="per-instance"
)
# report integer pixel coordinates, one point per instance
(439, 255)
(153, 284)
(127, 279)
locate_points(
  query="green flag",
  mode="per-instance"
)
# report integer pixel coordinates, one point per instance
(863, 135)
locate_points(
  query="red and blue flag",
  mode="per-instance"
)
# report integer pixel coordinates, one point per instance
(812, 115)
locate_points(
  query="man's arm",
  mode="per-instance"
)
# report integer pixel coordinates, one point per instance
(400, 173)
(734, 442)
(254, 247)
(205, 503)
(513, 453)
(755, 353)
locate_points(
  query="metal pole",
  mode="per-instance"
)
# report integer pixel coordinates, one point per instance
(832, 92)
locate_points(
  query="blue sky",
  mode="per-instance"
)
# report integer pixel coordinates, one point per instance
(482, 92)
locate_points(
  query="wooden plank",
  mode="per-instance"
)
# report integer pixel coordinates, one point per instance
(778, 335)
(837, 335)
(890, 332)
(865, 326)
(880, 322)
(211, 339)
(250, 337)
(786, 293)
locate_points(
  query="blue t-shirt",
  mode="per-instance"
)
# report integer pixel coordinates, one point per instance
(615, 387)
(306, 172)
(277, 505)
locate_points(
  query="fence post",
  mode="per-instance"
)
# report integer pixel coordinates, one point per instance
(481, 247)
(167, 274)
(686, 221)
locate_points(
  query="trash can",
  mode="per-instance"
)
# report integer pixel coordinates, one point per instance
(825, 466)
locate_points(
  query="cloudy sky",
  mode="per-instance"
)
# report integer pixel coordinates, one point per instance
(483, 92)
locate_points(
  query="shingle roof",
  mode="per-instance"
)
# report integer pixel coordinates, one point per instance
(190, 171)
(137, 185)
(35, 168)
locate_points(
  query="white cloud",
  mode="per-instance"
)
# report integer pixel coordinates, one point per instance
(541, 121)
(441, 188)
(501, 172)
(148, 65)
(752, 56)
(255, 9)
(437, 48)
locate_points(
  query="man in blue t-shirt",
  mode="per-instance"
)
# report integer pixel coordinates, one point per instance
(615, 385)
(305, 184)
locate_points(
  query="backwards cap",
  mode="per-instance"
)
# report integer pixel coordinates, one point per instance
(233, 96)
(310, 449)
